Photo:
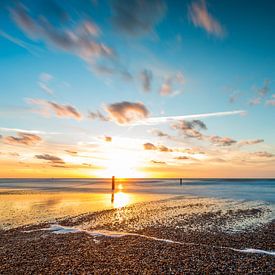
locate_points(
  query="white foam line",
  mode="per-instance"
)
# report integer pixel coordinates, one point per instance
(58, 229)
(257, 251)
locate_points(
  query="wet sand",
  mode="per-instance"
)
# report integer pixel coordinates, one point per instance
(197, 238)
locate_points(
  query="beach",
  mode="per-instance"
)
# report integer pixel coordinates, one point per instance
(160, 234)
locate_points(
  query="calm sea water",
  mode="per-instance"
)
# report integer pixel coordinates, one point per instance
(24, 201)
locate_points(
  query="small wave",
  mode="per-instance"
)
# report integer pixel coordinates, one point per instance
(257, 251)
(59, 229)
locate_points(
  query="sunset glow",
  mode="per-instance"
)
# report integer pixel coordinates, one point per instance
(172, 90)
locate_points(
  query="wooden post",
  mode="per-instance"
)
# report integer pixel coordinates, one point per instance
(113, 197)
(180, 181)
(113, 183)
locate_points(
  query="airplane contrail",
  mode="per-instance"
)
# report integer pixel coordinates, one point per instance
(4, 129)
(165, 119)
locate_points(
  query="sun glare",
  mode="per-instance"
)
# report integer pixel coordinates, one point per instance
(120, 199)
(120, 187)
(121, 165)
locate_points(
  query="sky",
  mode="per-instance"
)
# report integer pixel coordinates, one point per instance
(137, 88)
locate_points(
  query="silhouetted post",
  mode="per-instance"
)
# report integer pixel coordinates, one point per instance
(180, 181)
(113, 183)
(113, 197)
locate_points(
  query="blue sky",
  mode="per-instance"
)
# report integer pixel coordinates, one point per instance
(165, 58)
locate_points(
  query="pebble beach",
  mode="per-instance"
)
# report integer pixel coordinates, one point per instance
(171, 236)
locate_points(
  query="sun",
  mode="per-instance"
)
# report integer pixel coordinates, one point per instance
(121, 165)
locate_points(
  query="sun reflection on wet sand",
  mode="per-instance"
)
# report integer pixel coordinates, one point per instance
(120, 199)
(26, 207)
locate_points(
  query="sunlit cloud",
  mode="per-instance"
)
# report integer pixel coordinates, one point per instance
(126, 112)
(149, 146)
(222, 141)
(48, 107)
(160, 148)
(249, 142)
(71, 152)
(172, 85)
(182, 158)
(190, 128)
(166, 88)
(108, 139)
(263, 154)
(158, 162)
(22, 139)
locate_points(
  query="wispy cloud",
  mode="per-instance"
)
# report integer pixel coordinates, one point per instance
(222, 141)
(50, 158)
(22, 139)
(135, 17)
(44, 80)
(166, 88)
(30, 48)
(161, 148)
(158, 133)
(249, 142)
(182, 158)
(98, 115)
(191, 128)
(158, 162)
(263, 154)
(172, 85)
(261, 93)
(71, 152)
(201, 17)
(146, 77)
(75, 40)
(47, 107)
(57, 27)
(271, 101)
(167, 119)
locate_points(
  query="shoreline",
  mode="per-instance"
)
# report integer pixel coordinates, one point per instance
(193, 241)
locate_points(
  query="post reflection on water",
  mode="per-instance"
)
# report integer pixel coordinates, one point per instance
(120, 199)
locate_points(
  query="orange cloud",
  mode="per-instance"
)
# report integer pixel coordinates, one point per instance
(126, 112)
(46, 107)
(161, 148)
(22, 139)
(222, 141)
(108, 139)
(149, 146)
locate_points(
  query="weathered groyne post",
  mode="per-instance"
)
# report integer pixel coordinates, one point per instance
(180, 181)
(113, 197)
(113, 183)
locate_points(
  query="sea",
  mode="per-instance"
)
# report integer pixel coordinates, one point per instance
(31, 201)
